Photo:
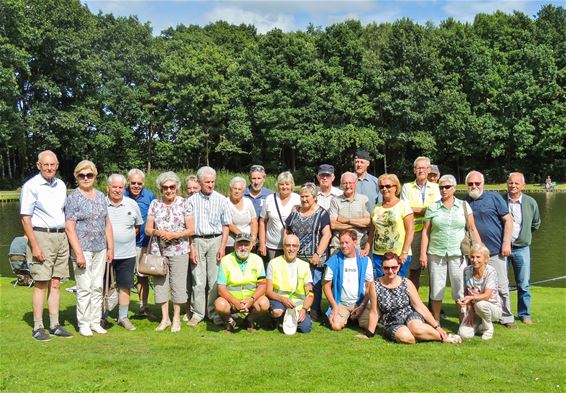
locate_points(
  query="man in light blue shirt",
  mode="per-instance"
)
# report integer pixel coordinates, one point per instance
(367, 183)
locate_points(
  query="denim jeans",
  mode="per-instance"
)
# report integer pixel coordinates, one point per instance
(521, 261)
(378, 272)
(317, 273)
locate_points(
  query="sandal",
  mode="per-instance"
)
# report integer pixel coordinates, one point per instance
(176, 327)
(162, 326)
(453, 339)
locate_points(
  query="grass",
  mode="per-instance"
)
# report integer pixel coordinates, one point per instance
(204, 359)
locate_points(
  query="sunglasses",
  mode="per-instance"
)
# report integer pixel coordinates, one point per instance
(474, 183)
(445, 187)
(83, 176)
(172, 187)
(388, 186)
(257, 168)
(392, 268)
(136, 183)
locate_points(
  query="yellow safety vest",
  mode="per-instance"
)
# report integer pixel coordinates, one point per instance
(282, 284)
(415, 199)
(240, 284)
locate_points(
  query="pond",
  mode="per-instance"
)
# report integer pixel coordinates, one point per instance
(548, 248)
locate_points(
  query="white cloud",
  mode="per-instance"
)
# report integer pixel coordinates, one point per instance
(466, 10)
(264, 22)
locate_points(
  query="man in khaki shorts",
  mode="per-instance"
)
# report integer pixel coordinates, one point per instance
(348, 284)
(41, 208)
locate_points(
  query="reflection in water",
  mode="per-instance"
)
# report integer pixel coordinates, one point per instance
(548, 248)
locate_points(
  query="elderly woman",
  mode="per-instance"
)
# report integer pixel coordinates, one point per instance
(169, 226)
(193, 186)
(311, 224)
(443, 231)
(481, 302)
(274, 212)
(90, 236)
(404, 317)
(391, 227)
(244, 219)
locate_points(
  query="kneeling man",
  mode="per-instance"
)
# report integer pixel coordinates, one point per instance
(289, 284)
(241, 285)
(348, 285)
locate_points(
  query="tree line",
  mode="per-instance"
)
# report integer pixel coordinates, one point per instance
(487, 95)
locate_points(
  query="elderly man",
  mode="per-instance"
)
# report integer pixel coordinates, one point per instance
(367, 184)
(434, 174)
(326, 190)
(420, 194)
(348, 286)
(349, 211)
(289, 285)
(42, 201)
(256, 191)
(126, 219)
(495, 226)
(211, 215)
(526, 219)
(241, 285)
(143, 197)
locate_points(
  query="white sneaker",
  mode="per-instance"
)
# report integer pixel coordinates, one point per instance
(453, 339)
(98, 329)
(85, 331)
(488, 333)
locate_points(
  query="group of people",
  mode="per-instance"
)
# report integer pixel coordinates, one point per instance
(364, 245)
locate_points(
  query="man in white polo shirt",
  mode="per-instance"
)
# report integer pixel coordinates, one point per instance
(126, 219)
(41, 208)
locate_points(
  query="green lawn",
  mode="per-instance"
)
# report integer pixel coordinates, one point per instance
(204, 359)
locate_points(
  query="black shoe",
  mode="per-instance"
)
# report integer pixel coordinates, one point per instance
(104, 323)
(230, 326)
(251, 326)
(41, 335)
(274, 323)
(60, 331)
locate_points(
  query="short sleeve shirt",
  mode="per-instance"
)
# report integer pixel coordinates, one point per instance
(90, 217)
(350, 283)
(475, 286)
(241, 218)
(44, 201)
(489, 209)
(143, 200)
(124, 218)
(355, 208)
(448, 227)
(389, 224)
(309, 231)
(274, 228)
(169, 218)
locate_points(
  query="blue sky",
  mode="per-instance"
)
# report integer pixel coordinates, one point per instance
(296, 15)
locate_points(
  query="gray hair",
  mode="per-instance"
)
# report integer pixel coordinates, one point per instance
(116, 176)
(481, 248)
(475, 173)
(192, 178)
(136, 171)
(46, 153)
(286, 177)
(165, 177)
(237, 179)
(310, 187)
(205, 171)
(517, 174)
(422, 158)
(451, 180)
(346, 174)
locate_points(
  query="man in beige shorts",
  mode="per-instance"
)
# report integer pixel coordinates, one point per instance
(348, 284)
(41, 208)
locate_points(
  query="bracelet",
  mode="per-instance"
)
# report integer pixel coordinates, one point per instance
(436, 327)
(405, 252)
(317, 254)
(252, 297)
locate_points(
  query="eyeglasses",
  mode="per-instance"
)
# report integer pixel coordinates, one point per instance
(474, 183)
(49, 165)
(136, 183)
(392, 268)
(421, 168)
(257, 168)
(172, 187)
(445, 187)
(388, 186)
(83, 176)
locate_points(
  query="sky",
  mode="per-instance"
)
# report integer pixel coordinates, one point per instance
(293, 15)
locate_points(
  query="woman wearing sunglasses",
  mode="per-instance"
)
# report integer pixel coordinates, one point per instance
(391, 228)
(443, 231)
(404, 317)
(90, 236)
(168, 225)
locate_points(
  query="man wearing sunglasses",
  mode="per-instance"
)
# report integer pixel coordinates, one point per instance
(256, 192)
(420, 194)
(143, 197)
(495, 226)
(41, 208)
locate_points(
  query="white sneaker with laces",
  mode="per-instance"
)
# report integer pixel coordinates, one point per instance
(98, 329)
(85, 331)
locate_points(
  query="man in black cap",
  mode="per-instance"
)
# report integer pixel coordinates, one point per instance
(326, 191)
(367, 183)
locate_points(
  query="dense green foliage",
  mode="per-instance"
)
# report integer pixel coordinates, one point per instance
(487, 95)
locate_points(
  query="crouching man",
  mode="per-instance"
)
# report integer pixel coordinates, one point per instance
(289, 285)
(241, 286)
(349, 286)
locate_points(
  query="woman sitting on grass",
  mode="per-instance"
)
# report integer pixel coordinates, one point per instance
(481, 301)
(401, 311)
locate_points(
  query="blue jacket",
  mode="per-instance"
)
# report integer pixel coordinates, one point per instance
(336, 263)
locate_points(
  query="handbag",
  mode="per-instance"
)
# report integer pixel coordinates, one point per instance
(153, 265)
(467, 242)
(110, 298)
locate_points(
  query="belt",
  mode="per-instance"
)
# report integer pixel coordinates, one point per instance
(207, 236)
(49, 230)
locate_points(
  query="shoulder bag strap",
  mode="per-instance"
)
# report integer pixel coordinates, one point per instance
(466, 215)
(278, 211)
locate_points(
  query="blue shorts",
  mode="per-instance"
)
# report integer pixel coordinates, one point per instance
(303, 327)
(124, 271)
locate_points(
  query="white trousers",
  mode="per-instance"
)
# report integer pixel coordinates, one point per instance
(90, 281)
(486, 313)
